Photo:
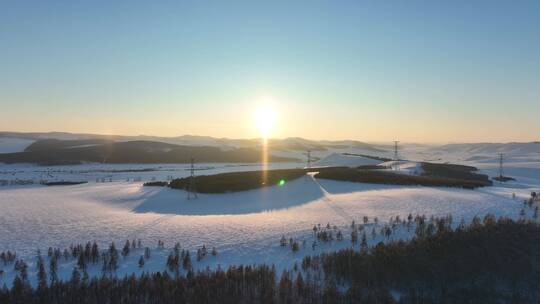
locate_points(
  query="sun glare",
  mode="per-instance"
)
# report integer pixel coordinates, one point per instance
(265, 119)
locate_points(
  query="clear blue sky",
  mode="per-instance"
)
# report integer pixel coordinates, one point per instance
(368, 70)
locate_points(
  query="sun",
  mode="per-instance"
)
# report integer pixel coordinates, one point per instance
(265, 119)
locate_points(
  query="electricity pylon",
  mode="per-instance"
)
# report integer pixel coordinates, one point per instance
(396, 156)
(501, 171)
(192, 189)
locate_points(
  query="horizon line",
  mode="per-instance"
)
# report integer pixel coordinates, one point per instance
(271, 138)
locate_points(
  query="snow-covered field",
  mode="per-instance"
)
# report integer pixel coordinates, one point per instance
(244, 227)
(94, 172)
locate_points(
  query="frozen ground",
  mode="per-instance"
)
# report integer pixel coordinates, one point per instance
(244, 227)
(93, 172)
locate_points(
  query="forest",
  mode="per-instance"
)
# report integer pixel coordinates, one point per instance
(489, 261)
(467, 181)
(237, 181)
(453, 171)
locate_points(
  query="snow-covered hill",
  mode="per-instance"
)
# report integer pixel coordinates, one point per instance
(13, 144)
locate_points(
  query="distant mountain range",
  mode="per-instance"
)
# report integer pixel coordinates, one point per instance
(58, 152)
(66, 148)
(291, 143)
(69, 148)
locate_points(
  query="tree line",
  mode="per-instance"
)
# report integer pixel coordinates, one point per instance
(488, 260)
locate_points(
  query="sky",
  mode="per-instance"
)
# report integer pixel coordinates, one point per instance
(416, 71)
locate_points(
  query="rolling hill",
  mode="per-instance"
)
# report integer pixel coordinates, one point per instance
(56, 152)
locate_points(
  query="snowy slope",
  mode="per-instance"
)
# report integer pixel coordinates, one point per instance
(475, 152)
(12, 144)
(244, 232)
(343, 160)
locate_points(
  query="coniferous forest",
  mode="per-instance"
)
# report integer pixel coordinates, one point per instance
(489, 261)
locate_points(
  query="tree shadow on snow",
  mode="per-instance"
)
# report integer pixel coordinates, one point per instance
(170, 201)
(341, 187)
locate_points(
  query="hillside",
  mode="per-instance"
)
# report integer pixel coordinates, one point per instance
(54, 152)
(285, 144)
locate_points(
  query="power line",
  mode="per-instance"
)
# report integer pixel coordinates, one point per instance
(501, 171)
(396, 155)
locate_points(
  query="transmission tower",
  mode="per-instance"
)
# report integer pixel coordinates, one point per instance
(308, 165)
(192, 189)
(501, 171)
(396, 156)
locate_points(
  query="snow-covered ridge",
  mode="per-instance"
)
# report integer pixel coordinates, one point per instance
(404, 166)
(13, 144)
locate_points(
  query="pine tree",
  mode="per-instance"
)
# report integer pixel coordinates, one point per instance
(24, 271)
(41, 273)
(300, 286)
(113, 258)
(363, 244)
(125, 250)
(141, 262)
(354, 237)
(81, 263)
(186, 262)
(95, 253)
(85, 278)
(295, 247)
(283, 241)
(75, 276)
(53, 270)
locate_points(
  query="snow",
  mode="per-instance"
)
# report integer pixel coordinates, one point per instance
(476, 153)
(121, 172)
(345, 160)
(12, 145)
(404, 166)
(245, 227)
(293, 193)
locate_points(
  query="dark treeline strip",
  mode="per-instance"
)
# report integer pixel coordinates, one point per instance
(238, 181)
(382, 177)
(453, 171)
(64, 183)
(489, 261)
(156, 184)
